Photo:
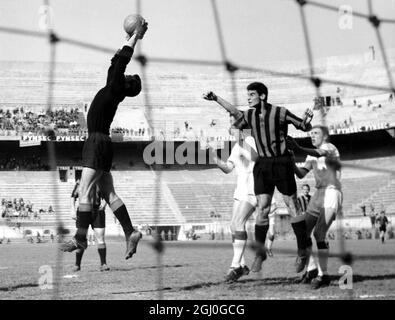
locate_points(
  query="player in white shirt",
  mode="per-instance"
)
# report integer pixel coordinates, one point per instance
(242, 161)
(326, 202)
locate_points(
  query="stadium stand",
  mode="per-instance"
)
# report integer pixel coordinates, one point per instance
(187, 194)
(184, 196)
(176, 94)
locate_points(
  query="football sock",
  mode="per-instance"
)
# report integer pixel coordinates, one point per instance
(121, 213)
(300, 231)
(83, 221)
(102, 249)
(323, 254)
(239, 247)
(260, 235)
(78, 256)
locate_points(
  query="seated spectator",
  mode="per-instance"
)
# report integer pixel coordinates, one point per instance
(29, 207)
(26, 163)
(3, 211)
(363, 208)
(27, 121)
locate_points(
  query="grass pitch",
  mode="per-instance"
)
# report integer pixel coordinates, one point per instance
(188, 270)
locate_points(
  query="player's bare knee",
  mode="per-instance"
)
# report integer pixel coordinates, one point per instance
(292, 205)
(263, 208)
(239, 224)
(232, 226)
(84, 193)
(320, 238)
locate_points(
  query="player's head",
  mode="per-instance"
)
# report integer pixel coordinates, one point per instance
(256, 92)
(305, 189)
(319, 135)
(132, 85)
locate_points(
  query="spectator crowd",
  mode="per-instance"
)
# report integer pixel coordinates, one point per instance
(8, 163)
(18, 208)
(24, 121)
(136, 132)
(347, 123)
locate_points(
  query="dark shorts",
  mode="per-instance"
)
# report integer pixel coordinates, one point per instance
(383, 228)
(274, 172)
(98, 219)
(97, 152)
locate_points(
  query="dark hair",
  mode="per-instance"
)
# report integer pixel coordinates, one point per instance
(324, 129)
(132, 85)
(306, 185)
(259, 87)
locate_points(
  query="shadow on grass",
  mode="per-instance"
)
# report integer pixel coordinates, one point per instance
(273, 281)
(379, 277)
(19, 286)
(148, 267)
(142, 291)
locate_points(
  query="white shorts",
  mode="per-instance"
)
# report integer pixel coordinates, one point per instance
(325, 200)
(251, 199)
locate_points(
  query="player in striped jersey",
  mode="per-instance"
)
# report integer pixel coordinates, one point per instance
(327, 200)
(304, 198)
(274, 166)
(312, 271)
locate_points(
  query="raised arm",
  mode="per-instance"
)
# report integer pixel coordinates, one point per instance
(300, 172)
(116, 72)
(300, 124)
(293, 145)
(211, 96)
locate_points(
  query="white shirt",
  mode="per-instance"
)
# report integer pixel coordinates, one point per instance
(242, 159)
(324, 175)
